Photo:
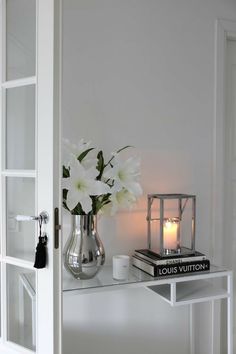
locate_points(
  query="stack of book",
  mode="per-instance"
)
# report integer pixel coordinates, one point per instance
(152, 263)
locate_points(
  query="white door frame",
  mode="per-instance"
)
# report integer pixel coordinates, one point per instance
(48, 63)
(224, 30)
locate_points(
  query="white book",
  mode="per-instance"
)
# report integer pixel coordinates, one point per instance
(145, 266)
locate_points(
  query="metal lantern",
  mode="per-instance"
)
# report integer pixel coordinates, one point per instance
(175, 217)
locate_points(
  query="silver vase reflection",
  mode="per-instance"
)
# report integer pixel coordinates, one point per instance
(84, 253)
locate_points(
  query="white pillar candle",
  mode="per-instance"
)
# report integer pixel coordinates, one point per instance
(170, 234)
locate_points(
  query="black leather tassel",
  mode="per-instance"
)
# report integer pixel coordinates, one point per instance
(41, 253)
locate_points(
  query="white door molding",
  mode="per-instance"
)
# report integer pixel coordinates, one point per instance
(225, 29)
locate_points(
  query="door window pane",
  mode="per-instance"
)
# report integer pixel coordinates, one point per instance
(20, 38)
(20, 128)
(21, 306)
(20, 234)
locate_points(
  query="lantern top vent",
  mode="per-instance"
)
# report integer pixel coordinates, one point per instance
(171, 196)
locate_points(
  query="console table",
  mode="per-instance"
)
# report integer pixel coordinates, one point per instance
(217, 284)
(180, 290)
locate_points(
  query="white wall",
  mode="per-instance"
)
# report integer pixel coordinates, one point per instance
(142, 73)
(127, 324)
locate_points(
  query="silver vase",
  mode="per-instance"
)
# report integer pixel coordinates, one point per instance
(84, 253)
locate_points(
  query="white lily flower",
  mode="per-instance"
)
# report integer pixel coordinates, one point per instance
(120, 200)
(75, 150)
(81, 185)
(125, 175)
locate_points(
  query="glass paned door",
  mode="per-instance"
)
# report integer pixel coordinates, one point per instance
(30, 174)
(20, 39)
(19, 234)
(21, 306)
(18, 168)
(20, 128)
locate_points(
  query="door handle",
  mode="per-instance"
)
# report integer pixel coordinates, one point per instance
(43, 216)
(57, 228)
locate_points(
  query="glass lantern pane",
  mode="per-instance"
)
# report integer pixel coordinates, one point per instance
(21, 308)
(20, 234)
(20, 38)
(20, 128)
(186, 225)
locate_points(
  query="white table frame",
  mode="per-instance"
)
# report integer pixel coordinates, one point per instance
(171, 285)
(183, 290)
(218, 295)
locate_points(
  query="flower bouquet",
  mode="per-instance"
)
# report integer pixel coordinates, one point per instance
(92, 185)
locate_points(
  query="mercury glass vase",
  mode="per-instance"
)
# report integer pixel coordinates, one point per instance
(84, 253)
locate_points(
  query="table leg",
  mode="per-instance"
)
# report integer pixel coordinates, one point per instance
(215, 326)
(230, 314)
(192, 329)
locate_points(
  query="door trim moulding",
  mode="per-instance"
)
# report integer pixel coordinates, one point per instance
(224, 30)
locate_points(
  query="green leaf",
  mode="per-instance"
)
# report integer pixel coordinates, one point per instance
(66, 172)
(105, 197)
(100, 164)
(118, 151)
(125, 147)
(83, 154)
(64, 193)
(65, 206)
(77, 210)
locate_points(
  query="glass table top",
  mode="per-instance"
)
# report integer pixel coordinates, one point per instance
(104, 279)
